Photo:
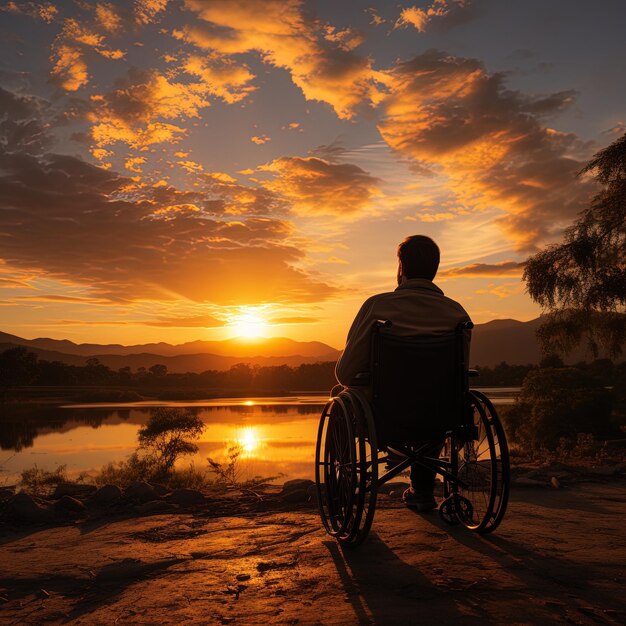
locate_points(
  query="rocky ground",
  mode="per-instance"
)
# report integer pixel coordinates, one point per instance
(119, 558)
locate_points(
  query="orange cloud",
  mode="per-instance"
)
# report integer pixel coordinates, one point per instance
(320, 59)
(196, 321)
(70, 221)
(489, 141)
(260, 140)
(482, 270)
(69, 70)
(440, 13)
(149, 11)
(133, 112)
(45, 11)
(222, 77)
(316, 186)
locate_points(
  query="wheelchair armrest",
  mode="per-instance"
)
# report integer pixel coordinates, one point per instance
(472, 373)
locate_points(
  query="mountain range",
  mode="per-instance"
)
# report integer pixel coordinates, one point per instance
(493, 342)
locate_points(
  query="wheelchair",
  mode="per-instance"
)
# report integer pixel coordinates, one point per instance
(421, 411)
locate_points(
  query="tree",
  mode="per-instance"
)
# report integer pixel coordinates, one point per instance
(169, 434)
(581, 283)
(158, 370)
(18, 366)
(557, 403)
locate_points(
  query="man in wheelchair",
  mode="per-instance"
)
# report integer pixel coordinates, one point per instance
(417, 307)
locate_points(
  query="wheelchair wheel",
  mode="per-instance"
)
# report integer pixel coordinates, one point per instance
(501, 461)
(346, 468)
(481, 492)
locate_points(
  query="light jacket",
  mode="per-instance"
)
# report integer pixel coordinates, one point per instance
(416, 307)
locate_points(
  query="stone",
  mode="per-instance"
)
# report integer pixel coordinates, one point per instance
(71, 504)
(159, 488)
(75, 490)
(6, 493)
(141, 492)
(603, 470)
(155, 506)
(528, 482)
(300, 484)
(107, 494)
(295, 495)
(186, 497)
(555, 482)
(24, 507)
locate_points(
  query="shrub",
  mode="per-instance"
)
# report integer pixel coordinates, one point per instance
(41, 482)
(168, 435)
(556, 403)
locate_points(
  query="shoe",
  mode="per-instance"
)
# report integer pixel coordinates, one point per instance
(418, 501)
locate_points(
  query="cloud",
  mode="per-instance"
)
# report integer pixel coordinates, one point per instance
(489, 141)
(502, 291)
(74, 222)
(149, 11)
(314, 186)
(45, 11)
(22, 127)
(135, 110)
(319, 58)
(439, 15)
(196, 321)
(294, 320)
(260, 140)
(482, 270)
(69, 69)
(222, 77)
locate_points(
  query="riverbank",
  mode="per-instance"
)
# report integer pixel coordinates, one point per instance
(557, 558)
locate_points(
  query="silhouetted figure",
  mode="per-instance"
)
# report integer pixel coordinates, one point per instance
(416, 307)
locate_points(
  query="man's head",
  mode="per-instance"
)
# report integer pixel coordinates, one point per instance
(418, 257)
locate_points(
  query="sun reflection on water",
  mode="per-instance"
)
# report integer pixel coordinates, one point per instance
(249, 441)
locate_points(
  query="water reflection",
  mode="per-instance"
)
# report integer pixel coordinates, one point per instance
(275, 437)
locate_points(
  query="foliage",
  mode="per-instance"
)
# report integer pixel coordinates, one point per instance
(40, 482)
(140, 468)
(23, 368)
(556, 403)
(18, 366)
(168, 435)
(228, 474)
(581, 282)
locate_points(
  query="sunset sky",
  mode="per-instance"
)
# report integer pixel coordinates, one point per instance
(199, 169)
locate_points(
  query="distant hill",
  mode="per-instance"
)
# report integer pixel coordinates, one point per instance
(496, 341)
(265, 347)
(209, 355)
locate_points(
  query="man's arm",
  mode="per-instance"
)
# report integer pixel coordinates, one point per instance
(356, 355)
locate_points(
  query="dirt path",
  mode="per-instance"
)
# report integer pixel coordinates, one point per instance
(559, 557)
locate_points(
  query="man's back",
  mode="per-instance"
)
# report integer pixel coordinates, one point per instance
(416, 307)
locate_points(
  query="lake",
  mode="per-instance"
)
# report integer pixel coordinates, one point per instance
(276, 435)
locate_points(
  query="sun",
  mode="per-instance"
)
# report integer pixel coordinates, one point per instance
(248, 324)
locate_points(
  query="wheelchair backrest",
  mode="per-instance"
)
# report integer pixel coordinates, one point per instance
(419, 385)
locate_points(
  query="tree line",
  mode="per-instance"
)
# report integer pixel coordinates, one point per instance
(19, 367)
